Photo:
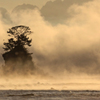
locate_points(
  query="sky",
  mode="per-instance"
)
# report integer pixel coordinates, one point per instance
(66, 35)
(65, 39)
(10, 4)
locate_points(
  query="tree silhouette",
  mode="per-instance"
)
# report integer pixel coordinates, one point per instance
(17, 58)
(20, 38)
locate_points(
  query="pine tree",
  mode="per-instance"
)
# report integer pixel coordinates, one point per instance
(19, 34)
(17, 59)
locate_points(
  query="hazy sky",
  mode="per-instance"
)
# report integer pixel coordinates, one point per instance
(72, 46)
(10, 4)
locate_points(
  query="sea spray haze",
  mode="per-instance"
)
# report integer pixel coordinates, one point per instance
(66, 49)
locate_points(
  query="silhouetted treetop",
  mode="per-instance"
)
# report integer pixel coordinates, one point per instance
(19, 37)
(19, 30)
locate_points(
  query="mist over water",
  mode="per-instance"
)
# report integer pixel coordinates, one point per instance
(65, 50)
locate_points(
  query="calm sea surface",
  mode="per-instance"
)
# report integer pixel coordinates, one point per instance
(49, 95)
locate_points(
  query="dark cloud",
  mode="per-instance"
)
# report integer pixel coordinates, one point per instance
(53, 11)
(24, 7)
(56, 11)
(5, 16)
